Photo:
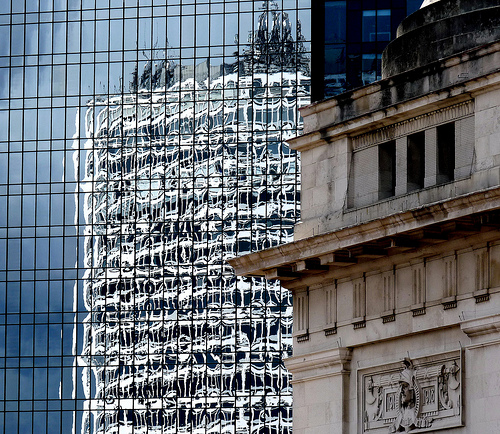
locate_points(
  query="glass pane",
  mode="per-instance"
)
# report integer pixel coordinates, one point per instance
(369, 26)
(384, 25)
(335, 22)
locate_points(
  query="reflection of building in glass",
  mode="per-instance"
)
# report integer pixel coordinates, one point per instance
(188, 169)
(349, 40)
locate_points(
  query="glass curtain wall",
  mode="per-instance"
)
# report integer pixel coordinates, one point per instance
(142, 143)
(348, 41)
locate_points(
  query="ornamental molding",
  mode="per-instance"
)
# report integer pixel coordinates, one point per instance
(418, 123)
(320, 364)
(256, 264)
(479, 327)
(420, 395)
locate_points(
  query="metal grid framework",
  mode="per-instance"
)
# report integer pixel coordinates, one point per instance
(142, 143)
(349, 39)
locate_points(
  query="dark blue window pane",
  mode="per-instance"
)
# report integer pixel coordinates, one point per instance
(364, 29)
(335, 22)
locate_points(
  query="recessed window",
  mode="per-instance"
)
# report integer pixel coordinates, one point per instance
(446, 152)
(377, 25)
(415, 168)
(387, 170)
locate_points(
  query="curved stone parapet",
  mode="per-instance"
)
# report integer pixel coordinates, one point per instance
(444, 28)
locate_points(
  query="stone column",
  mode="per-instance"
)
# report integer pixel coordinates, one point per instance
(464, 147)
(431, 158)
(401, 165)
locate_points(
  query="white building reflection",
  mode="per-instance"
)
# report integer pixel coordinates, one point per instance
(188, 169)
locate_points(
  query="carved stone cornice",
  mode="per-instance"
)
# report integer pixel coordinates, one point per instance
(481, 327)
(257, 264)
(320, 364)
(417, 123)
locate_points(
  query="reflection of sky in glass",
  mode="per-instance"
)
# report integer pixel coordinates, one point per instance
(51, 64)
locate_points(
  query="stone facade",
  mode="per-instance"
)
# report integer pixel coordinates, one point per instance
(395, 267)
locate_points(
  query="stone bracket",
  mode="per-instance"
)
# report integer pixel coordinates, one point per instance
(481, 296)
(331, 331)
(449, 302)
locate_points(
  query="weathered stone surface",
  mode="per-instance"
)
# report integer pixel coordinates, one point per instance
(445, 28)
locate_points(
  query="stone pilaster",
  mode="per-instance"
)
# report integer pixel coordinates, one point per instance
(321, 391)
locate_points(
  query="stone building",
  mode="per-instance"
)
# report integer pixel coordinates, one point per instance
(395, 266)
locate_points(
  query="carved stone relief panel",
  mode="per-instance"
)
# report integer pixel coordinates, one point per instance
(418, 395)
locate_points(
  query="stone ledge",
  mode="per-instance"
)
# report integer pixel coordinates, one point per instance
(489, 325)
(257, 264)
(392, 100)
(320, 364)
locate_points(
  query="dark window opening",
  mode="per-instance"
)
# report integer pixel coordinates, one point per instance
(387, 170)
(416, 161)
(446, 153)
(376, 25)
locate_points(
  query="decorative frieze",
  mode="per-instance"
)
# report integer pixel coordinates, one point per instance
(359, 303)
(449, 300)
(418, 289)
(482, 275)
(420, 395)
(413, 125)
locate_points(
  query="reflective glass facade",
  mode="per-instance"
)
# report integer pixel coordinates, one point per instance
(141, 145)
(347, 46)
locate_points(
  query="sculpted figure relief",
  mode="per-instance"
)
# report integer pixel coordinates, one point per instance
(424, 395)
(448, 389)
(374, 400)
(409, 402)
